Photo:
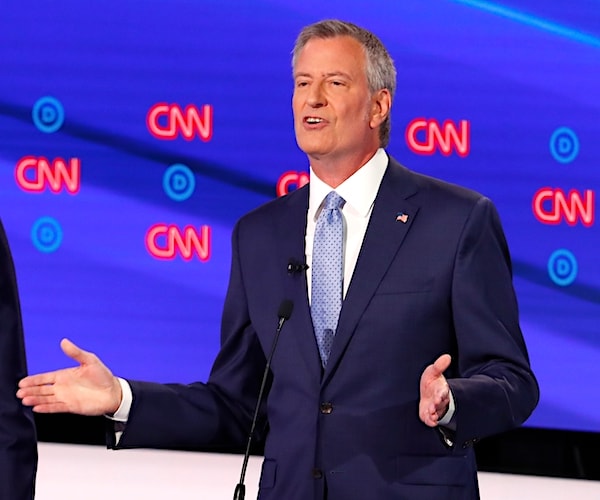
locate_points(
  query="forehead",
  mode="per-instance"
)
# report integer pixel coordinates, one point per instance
(327, 55)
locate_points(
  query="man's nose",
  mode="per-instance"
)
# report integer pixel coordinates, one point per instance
(316, 96)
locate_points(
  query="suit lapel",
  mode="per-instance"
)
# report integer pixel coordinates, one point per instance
(392, 216)
(291, 230)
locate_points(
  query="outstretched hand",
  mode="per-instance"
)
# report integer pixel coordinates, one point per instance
(435, 392)
(88, 389)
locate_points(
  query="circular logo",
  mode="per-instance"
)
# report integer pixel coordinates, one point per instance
(48, 114)
(46, 234)
(179, 182)
(564, 145)
(562, 267)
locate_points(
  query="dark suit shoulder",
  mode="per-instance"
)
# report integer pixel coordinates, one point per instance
(422, 185)
(278, 207)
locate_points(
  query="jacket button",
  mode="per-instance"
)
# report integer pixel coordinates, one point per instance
(470, 442)
(317, 473)
(326, 408)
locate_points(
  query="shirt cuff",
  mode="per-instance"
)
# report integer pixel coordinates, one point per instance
(449, 414)
(122, 413)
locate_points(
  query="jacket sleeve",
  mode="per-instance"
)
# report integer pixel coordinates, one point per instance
(18, 443)
(212, 415)
(495, 389)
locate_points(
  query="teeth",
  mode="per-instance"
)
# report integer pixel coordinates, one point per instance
(310, 119)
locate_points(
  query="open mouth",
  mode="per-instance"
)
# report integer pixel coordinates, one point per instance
(313, 120)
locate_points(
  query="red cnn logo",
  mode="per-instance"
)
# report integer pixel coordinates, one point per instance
(36, 174)
(290, 181)
(167, 121)
(164, 241)
(426, 136)
(551, 206)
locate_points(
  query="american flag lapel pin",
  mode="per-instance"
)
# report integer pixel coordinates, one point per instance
(402, 217)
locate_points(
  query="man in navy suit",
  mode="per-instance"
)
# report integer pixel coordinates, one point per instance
(18, 443)
(427, 356)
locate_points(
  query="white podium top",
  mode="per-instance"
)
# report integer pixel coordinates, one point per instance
(92, 472)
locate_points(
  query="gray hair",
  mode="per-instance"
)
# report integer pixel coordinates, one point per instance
(380, 69)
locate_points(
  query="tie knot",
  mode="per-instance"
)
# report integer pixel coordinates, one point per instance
(333, 201)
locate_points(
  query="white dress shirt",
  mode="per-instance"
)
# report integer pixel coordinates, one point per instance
(359, 191)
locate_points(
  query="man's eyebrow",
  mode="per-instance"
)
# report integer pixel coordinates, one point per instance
(339, 73)
(326, 75)
(301, 74)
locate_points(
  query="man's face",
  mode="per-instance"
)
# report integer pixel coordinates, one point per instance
(332, 103)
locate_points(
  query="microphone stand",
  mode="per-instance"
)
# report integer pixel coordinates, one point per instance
(285, 311)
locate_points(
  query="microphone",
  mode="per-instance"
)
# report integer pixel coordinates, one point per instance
(295, 266)
(284, 313)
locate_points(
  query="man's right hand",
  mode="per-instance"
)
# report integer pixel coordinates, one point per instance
(88, 389)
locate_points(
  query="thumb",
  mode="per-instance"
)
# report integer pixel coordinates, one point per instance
(76, 353)
(442, 363)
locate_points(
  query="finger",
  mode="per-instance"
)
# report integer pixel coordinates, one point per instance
(428, 419)
(443, 396)
(38, 399)
(433, 412)
(426, 415)
(423, 414)
(36, 390)
(39, 379)
(51, 408)
(76, 353)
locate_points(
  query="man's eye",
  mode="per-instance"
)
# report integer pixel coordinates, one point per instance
(301, 84)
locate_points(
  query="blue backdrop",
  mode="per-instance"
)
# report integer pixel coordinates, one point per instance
(133, 135)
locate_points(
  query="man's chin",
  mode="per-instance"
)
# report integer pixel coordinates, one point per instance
(313, 151)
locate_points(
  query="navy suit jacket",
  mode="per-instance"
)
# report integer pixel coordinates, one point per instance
(18, 443)
(438, 283)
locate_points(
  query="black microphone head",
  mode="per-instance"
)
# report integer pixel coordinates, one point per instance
(285, 309)
(295, 266)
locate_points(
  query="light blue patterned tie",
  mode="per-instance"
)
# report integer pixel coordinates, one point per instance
(327, 273)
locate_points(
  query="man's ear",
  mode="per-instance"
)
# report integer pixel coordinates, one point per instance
(381, 106)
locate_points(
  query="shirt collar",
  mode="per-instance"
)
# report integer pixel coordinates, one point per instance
(359, 190)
